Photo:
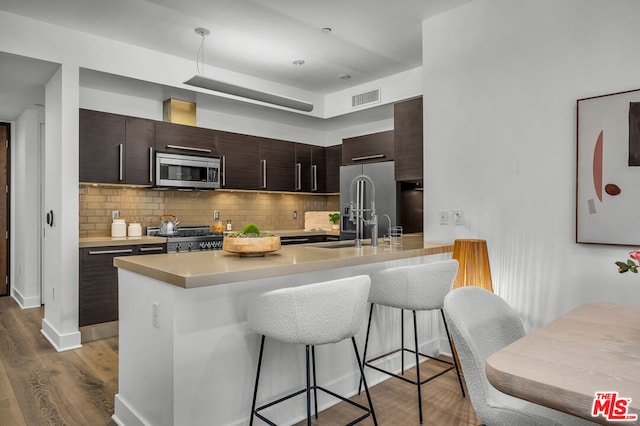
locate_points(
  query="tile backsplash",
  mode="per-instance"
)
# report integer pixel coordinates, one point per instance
(270, 211)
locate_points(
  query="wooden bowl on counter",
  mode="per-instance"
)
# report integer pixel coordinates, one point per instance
(251, 246)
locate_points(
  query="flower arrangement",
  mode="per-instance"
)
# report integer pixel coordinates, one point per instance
(630, 264)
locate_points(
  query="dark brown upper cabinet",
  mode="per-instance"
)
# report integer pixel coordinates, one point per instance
(310, 168)
(277, 165)
(407, 118)
(181, 139)
(115, 149)
(318, 169)
(372, 148)
(101, 147)
(139, 149)
(334, 159)
(239, 160)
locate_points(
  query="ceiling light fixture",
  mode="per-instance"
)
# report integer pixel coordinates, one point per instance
(344, 76)
(203, 82)
(326, 30)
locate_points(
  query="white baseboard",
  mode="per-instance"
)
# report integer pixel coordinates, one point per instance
(124, 415)
(61, 342)
(25, 302)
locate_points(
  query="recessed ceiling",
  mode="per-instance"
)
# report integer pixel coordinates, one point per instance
(369, 39)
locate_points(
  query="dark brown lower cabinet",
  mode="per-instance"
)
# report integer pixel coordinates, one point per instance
(98, 286)
(303, 239)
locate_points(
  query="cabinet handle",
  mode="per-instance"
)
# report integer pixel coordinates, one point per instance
(314, 177)
(145, 249)
(151, 164)
(189, 148)
(367, 157)
(298, 176)
(111, 251)
(224, 171)
(120, 152)
(264, 173)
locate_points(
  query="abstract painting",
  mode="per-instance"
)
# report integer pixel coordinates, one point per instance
(608, 169)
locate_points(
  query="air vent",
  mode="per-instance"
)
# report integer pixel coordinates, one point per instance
(365, 98)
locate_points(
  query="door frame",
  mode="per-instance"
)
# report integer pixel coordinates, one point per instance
(5, 289)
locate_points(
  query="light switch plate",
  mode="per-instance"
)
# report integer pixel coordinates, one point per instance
(444, 217)
(458, 217)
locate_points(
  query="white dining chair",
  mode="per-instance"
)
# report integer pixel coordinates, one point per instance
(481, 323)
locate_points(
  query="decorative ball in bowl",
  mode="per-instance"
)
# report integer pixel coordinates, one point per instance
(251, 242)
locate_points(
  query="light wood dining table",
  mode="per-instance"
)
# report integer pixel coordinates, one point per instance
(563, 365)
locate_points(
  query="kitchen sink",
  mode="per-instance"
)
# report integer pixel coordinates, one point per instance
(337, 244)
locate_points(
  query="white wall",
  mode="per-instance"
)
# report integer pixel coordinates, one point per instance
(25, 193)
(501, 80)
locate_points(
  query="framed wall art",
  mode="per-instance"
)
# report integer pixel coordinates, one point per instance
(608, 169)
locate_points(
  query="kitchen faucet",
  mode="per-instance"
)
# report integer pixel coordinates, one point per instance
(357, 210)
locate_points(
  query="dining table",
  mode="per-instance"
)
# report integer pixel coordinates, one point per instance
(585, 363)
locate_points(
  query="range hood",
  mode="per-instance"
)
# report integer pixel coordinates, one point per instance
(244, 92)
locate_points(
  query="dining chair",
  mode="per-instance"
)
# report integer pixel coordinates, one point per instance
(481, 323)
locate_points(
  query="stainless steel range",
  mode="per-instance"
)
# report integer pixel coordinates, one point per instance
(189, 238)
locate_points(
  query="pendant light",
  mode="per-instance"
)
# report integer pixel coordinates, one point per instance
(199, 80)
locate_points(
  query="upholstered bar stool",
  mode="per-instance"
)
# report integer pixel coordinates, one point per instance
(311, 315)
(414, 288)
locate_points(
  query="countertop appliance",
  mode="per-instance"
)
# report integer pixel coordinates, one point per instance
(382, 176)
(187, 172)
(190, 238)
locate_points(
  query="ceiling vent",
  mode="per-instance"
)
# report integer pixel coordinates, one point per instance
(367, 98)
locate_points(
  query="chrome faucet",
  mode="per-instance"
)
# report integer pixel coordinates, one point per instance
(357, 210)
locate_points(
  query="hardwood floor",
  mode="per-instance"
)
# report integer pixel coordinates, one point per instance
(39, 386)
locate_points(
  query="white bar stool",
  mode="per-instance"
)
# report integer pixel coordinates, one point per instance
(313, 314)
(415, 288)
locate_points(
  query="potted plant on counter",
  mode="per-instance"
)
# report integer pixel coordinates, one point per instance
(251, 242)
(335, 219)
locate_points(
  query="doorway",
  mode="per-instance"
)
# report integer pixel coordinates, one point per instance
(5, 131)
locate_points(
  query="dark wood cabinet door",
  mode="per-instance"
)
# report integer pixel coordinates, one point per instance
(98, 281)
(303, 167)
(372, 148)
(101, 147)
(408, 140)
(277, 165)
(98, 284)
(140, 140)
(189, 140)
(334, 160)
(318, 169)
(239, 160)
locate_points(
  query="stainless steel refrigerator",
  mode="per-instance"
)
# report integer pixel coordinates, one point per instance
(382, 175)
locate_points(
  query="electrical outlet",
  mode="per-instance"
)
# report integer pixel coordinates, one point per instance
(458, 217)
(115, 214)
(216, 215)
(154, 314)
(295, 214)
(444, 217)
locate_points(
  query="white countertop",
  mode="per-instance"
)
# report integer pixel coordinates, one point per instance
(205, 268)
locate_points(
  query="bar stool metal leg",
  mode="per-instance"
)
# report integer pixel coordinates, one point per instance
(453, 355)
(315, 387)
(308, 388)
(255, 389)
(364, 381)
(417, 352)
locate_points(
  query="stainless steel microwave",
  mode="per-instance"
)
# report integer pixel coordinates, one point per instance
(187, 171)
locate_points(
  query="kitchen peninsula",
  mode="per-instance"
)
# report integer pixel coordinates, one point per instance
(186, 355)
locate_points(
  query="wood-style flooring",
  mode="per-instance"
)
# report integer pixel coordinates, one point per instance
(39, 386)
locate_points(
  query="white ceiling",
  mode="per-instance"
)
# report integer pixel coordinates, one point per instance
(370, 39)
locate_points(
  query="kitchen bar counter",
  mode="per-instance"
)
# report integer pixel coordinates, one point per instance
(205, 268)
(187, 356)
